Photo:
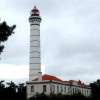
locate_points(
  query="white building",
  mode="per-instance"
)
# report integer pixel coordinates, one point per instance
(46, 83)
(49, 84)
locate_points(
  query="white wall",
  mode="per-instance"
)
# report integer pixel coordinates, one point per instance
(35, 52)
(82, 90)
(61, 88)
(38, 87)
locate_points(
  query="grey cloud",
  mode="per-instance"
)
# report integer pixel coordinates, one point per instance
(69, 36)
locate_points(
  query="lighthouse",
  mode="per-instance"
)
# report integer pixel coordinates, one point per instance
(35, 52)
(47, 84)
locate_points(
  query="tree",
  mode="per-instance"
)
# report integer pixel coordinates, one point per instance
(95, 86)
(2, 86)
(11, 91)
(5, 32)
(11, 88)
(21, 91)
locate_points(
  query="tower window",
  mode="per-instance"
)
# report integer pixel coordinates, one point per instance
(44, 88)
(32, 88)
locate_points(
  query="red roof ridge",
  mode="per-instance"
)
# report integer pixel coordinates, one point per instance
(51, 77)
(79, 83)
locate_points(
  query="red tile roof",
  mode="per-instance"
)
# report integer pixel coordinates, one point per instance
(71, 81)
(49, 77)
(79, 83)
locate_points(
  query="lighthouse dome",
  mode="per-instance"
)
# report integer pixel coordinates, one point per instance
(35, 12)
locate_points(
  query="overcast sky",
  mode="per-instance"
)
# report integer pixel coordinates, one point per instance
(70, 39)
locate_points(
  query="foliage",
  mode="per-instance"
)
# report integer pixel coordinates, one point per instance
(12, 91)
(5, 32)
(78, 96)
(95, 86)
(58, 96)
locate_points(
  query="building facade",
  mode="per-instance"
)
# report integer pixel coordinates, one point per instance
(51, 84)
(39, 83)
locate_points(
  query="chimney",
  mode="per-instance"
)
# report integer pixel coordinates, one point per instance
(39, 76)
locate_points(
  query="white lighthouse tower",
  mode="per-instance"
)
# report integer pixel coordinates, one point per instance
(35, 55)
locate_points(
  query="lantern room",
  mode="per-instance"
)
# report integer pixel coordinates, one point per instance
(35, 12)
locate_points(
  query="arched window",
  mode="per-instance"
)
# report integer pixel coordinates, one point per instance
(73, 90)
(61, 89)
(82, 91)
(87, 92)
(57, 89)
(32, 88)
(53, 88)
(44, 88)
(65, 89)
(68, 90)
